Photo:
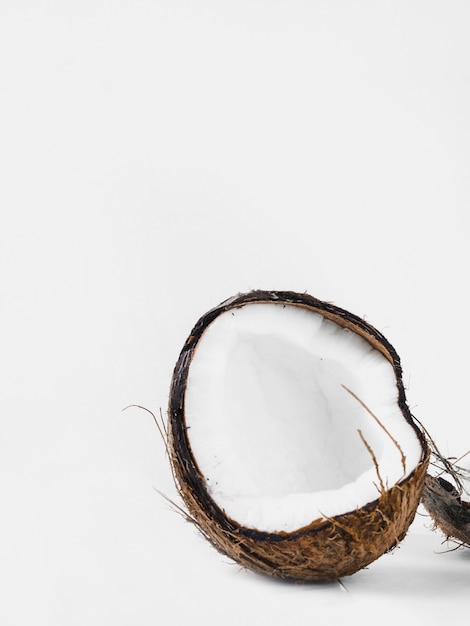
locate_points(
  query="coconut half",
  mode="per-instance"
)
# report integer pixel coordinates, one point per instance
(290, 437)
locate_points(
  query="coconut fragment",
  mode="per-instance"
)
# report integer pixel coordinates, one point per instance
(448, 511)
(446, 499)
(290, 437)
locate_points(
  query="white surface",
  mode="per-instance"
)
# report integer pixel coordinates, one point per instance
(157, 157)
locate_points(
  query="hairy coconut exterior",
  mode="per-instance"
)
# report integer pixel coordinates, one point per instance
(326, 549)
(448, 511)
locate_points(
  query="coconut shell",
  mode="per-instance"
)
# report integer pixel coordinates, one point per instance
(326, 549)
(448, 511)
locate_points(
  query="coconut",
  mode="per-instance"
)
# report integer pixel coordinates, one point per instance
(446, 499)
(449, 512)
(290, 438)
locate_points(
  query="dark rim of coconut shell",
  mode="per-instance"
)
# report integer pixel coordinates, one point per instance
(191, 475)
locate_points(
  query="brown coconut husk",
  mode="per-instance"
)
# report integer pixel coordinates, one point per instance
(444, 501)
(326, 549)
(450, 514)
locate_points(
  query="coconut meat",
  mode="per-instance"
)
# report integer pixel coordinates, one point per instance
(273, 430)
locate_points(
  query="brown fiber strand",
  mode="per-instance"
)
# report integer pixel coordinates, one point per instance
(374, 459)
(397, 445)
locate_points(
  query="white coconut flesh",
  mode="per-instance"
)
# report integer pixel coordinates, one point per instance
(272, 428)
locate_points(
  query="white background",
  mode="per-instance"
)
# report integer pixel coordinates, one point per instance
(157, 157)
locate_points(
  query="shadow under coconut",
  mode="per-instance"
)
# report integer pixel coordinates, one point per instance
(464, 554)
(419, 568)
(281, 584)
